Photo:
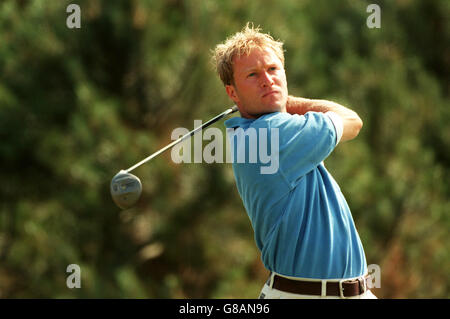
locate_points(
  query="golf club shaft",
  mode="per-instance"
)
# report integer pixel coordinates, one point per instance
(187, 135)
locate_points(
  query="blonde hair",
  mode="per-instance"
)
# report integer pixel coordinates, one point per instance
(239, 44)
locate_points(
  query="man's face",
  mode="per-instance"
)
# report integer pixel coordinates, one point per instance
(260, 84)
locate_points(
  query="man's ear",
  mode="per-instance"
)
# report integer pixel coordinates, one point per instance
(231, 91)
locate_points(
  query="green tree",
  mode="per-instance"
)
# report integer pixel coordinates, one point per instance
(77, 105)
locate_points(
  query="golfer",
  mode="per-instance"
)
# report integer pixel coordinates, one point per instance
(302, 223)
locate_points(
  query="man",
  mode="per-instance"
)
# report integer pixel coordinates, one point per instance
(302, 223)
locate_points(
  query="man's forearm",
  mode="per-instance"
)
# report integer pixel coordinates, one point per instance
(351, 120)
(300, 105)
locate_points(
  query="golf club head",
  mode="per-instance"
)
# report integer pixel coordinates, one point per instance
(125, 189)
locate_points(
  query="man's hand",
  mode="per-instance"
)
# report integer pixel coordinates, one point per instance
(351, 121)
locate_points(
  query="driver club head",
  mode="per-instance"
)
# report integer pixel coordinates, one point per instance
(125, 189)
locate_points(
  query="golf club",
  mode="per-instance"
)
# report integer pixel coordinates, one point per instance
(126, 188)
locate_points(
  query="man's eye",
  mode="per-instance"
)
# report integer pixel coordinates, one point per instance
(273, 68)
(252, 74)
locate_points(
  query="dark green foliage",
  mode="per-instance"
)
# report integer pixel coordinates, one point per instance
(78, 105)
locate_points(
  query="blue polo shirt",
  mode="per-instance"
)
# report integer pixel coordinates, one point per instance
(302, 223)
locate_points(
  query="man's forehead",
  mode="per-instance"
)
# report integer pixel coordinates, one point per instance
(256, 57)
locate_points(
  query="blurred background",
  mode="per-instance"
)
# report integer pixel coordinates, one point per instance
(78, 105)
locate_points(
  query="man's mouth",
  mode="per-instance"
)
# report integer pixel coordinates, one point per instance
(269, 93)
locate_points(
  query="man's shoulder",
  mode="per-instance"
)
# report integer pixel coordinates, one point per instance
(273, 119)
(263, 120)
(236, 122)
(282, 120)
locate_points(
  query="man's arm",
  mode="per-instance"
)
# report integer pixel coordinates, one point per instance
(352, 123)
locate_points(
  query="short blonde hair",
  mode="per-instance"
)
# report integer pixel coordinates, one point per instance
(239, 44)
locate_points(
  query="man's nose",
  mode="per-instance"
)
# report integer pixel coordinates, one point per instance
(266, 80)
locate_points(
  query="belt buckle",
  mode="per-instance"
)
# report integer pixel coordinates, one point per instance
(341, 289)
(361, 283)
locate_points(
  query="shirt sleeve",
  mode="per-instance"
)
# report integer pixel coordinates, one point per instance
(305, 141)
(338, 125)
